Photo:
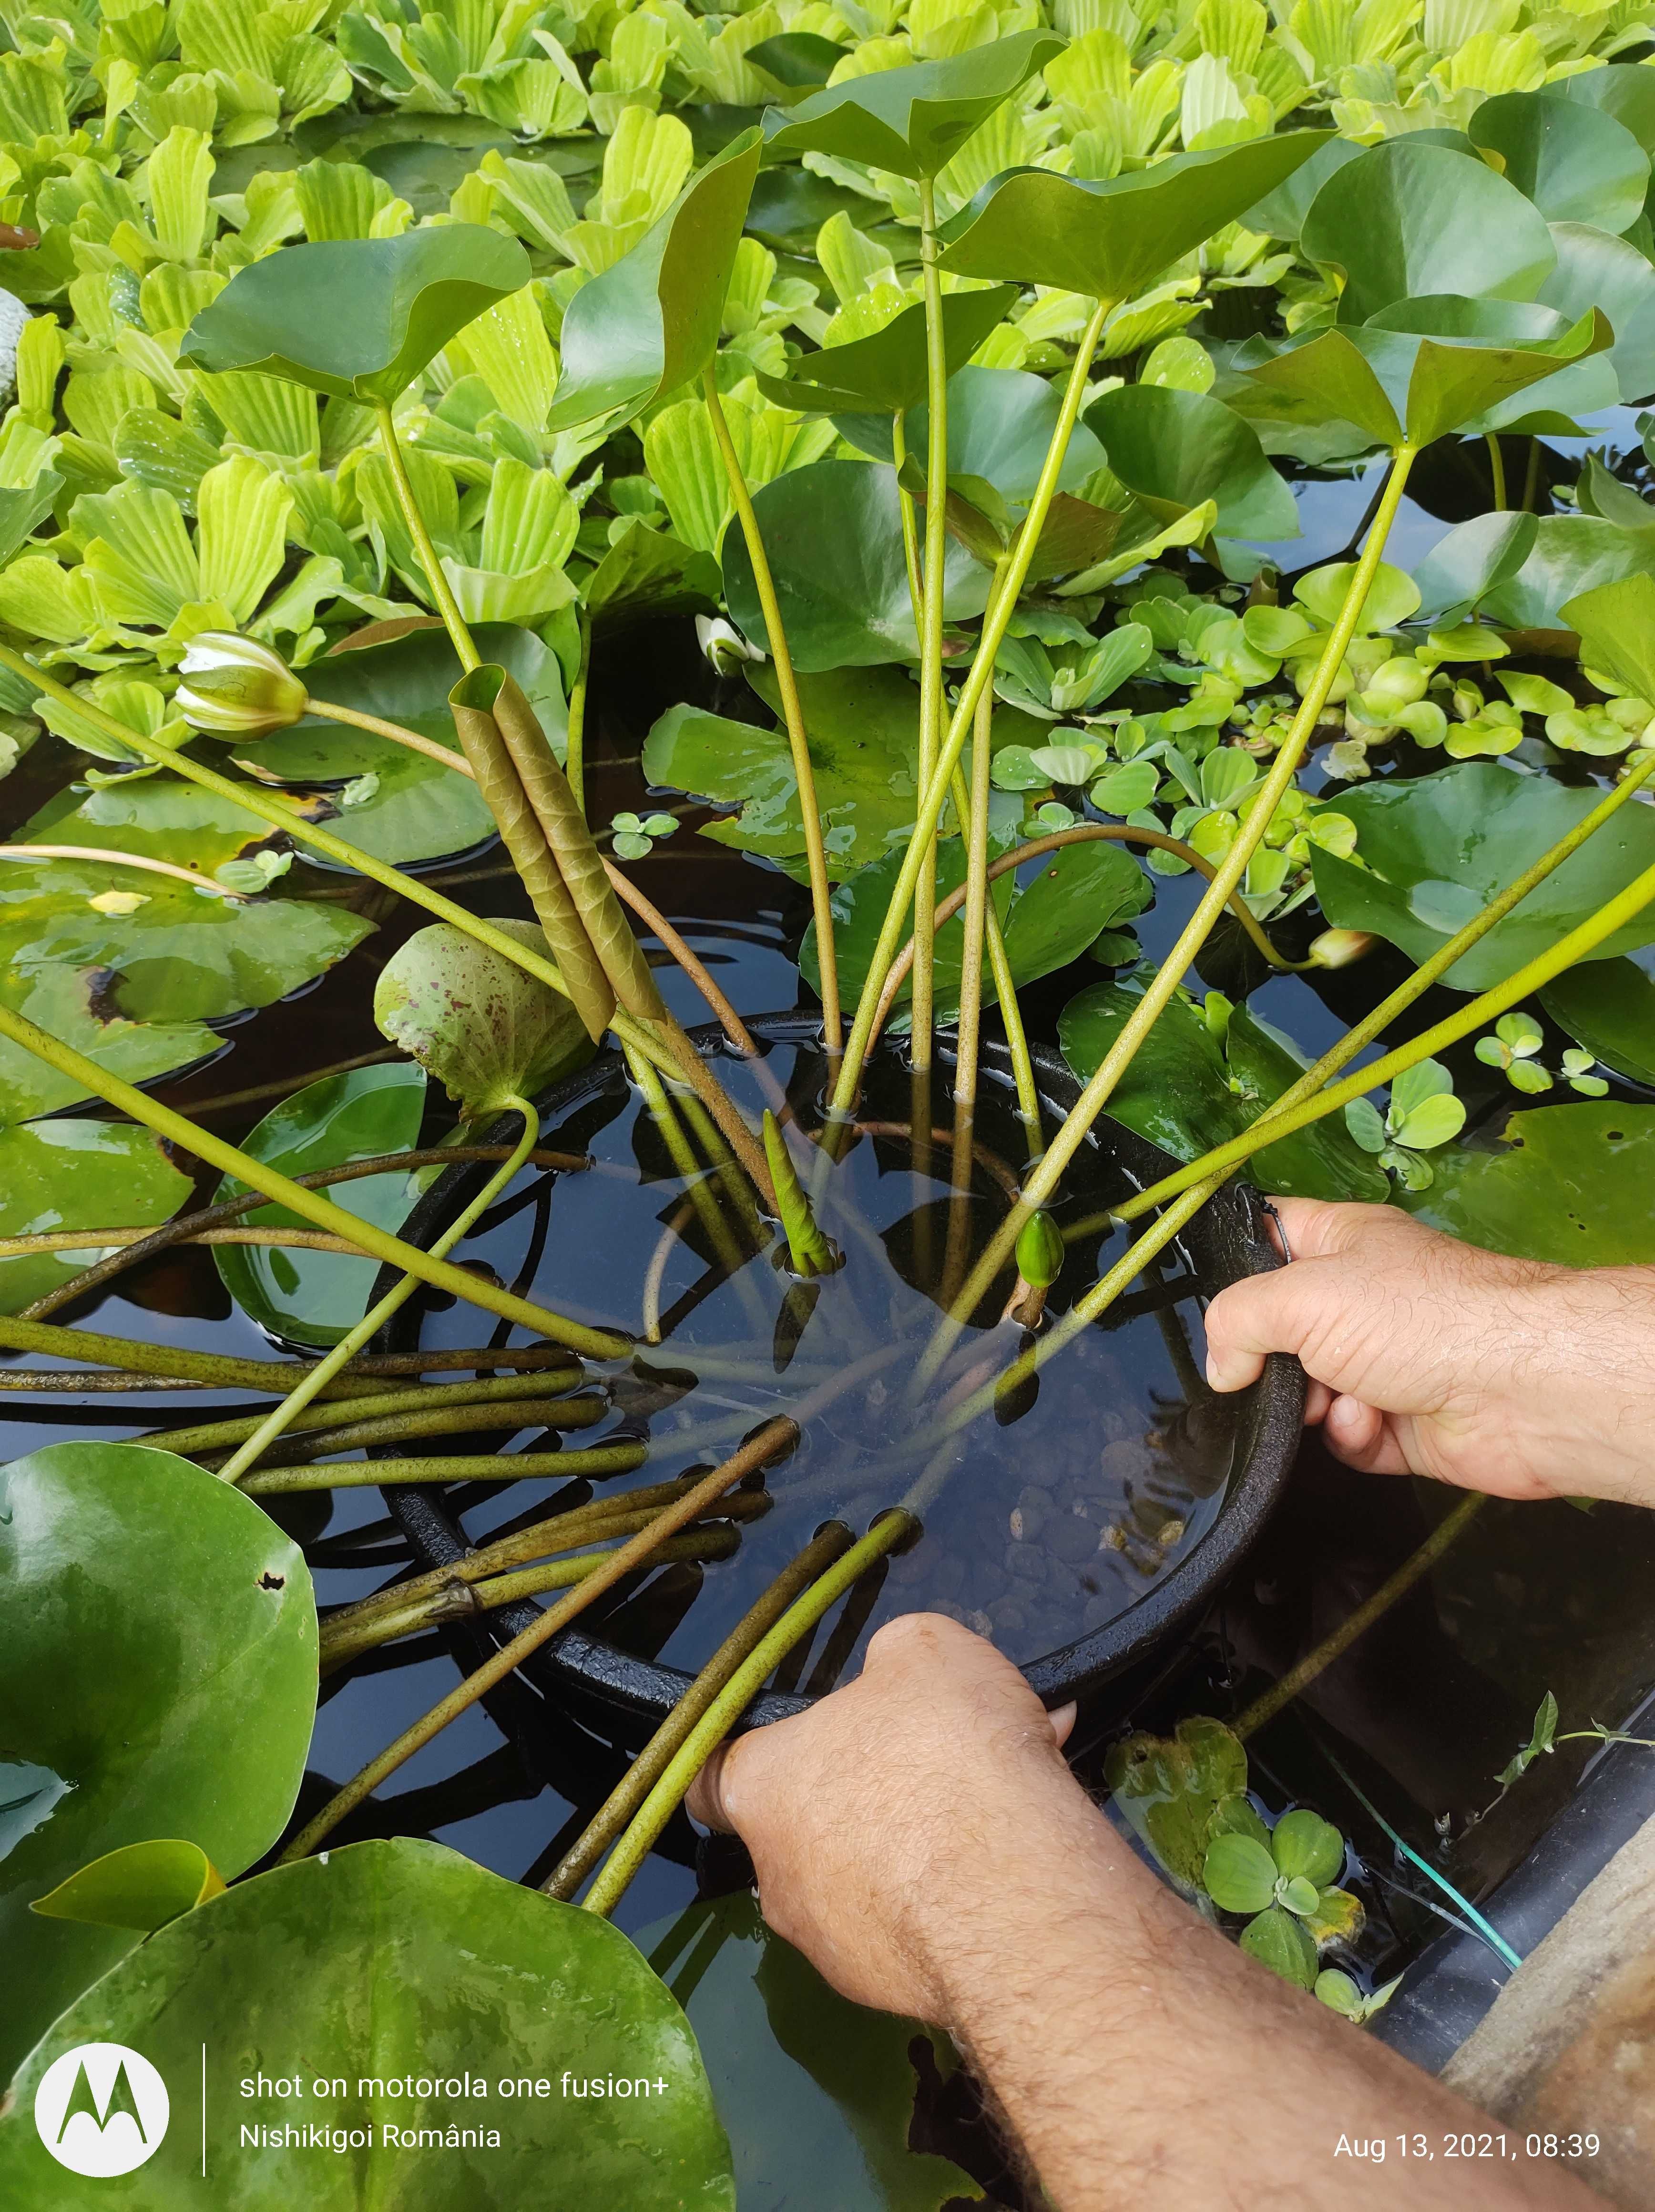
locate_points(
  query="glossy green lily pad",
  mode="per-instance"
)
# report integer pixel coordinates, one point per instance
(1608, 1006)
(359, 1972)
(77, 1174)
(158, 1648)
(1188, 1090)
(1437, 848)
(912, 121)
(1573, 1184)
(314, 1297)
(1175, 449)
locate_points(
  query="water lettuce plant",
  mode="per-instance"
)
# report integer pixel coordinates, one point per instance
(954, 367)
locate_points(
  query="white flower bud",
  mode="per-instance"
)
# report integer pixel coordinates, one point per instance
(236, 688)
(1342, 948)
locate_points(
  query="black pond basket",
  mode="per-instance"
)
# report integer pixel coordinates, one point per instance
(624, 1697)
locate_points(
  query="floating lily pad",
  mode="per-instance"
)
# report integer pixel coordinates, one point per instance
(818, 2095)
(174, 1698)
(1608, 1006)
(1188, 1090)
(371, 1966)
(1574, 1184)
(314, 1297)
(832, 534)
(357, 317)
(1437, 848)
(486, 1029)
(77, 1174)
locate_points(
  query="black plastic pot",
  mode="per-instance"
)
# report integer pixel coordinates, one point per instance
(1228, 1239)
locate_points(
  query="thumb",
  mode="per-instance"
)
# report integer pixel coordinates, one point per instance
(1272, 1312)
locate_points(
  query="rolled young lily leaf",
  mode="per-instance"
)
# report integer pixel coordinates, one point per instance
(1108, 242)
(1175, 449)
(137, 1703)
(141, 1886)
(1575, 162)
(471, 1977)
(887, 373)
(911, 121)
(1407, 220)
(1438, 847)
(356, 317)
(651, 322)
(483, 1027)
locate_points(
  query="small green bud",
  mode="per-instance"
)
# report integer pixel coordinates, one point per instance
(1039, 1252)
(1342, 948)
(234, 687)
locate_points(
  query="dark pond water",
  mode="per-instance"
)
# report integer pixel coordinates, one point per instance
(1424, 1710)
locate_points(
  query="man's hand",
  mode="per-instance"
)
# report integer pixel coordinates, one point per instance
(878, 1820)
(1429, 1356)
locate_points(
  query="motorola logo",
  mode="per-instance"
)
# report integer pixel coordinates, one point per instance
(101, 2109)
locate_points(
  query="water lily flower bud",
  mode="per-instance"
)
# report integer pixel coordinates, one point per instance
(1340, 948)
(722, 644)
(236, 688)
(1040, 1251)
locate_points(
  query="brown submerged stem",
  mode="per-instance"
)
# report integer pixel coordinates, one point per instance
(211, 1435)
(618, 1809)
(776, 1436)
(509, 1414)
(459, 1467)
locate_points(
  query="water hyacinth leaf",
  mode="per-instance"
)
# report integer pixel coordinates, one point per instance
(140, 1886)
(1240, 1873)
(651, 322)
(1608, 1006)
(1572, 555)
(911, 121)
(1406, 220)
(1575, 162)
(480, 1025)
(833, 532)
(1438, 849)
(886, 373)
(456, 1956)
(819, 2096)
(1174, 449)
(1188, 1090)
(1463, 568)
(1571, 1185)
(648, 572)
(136, 1704)
(1111, 240)
(358, 319)
(1306, 1847)
(77, 1174)
(314, 1297)
(799, 59)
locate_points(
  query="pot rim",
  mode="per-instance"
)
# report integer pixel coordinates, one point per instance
(1229, 1238)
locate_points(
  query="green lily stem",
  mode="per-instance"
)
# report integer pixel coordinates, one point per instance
(1226, 882)
(283, 1085)
(1532, 477)
(910, 525)
(1414, 986)
(457, 1466)
(279, 1417)
(934, 796)
(618, 1809)
(104, 856)
(508, 1415)
(335, 1412)
(732, 1701)
(1281, 1694)
(442, 755)
(575, 756)
(466, 1600)
(697, 1186)
(974, 826)
(776, 1436)
(201, 1370)
(321, 1212)
(1216, 1165)
(80, 1240)
(798, 742)
(931, 700)
(442, 597)
(1496, 470)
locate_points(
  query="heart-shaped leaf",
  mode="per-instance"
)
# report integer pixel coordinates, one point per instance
(483, 1028)
(138, 1703)
(314, 1297)
(833, 533)
(77, 1174)
(886, 374)
(1572, 555)
(1175, 449)
(474, 1980)
(1575, 162)
(911, 121)
(1596, 271)
(650, 321)
(1109, 241)
(1437, 848)
(1463, 568)
(1608, 1006)
(141, 1886)
(1406, 220)
(1571, 1185)
(1000, 426)
(357, 317)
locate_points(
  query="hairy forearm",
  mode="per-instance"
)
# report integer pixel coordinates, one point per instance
(1144, 2062)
